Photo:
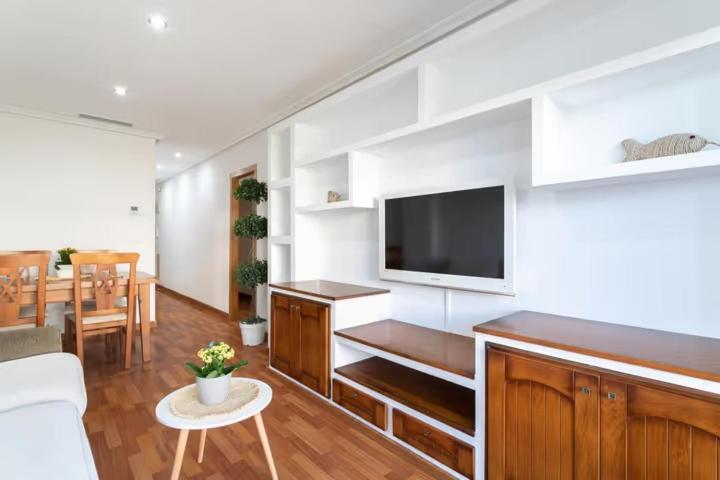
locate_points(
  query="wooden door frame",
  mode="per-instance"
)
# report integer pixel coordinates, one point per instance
(235, 177)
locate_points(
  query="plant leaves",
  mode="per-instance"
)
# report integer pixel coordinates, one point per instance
(251, 274)
(194, 369)
(232, 368)
(213, 374)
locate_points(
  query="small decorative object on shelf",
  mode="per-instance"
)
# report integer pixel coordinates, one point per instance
(676, 144)
(63, 265)
(253, 330)
(213, 378)
(333, 196)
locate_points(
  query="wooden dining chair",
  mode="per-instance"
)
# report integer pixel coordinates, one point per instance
(107, 288)
(17, 288)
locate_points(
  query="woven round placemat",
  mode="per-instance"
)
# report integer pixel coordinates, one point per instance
(185, 404)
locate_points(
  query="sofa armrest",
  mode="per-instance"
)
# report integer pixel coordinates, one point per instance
(27, 342)
(52, 377)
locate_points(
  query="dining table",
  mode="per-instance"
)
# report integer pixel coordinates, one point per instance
(61, 290)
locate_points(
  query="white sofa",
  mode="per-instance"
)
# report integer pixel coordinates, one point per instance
(42, 401)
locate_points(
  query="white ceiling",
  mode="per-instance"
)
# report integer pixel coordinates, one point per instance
(220, 69)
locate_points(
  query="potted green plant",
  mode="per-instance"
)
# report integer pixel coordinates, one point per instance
(253, 330)
(63, 265)
(213, 377)
(254, 271)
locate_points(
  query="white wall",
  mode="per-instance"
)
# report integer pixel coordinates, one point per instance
(194, 224)
(70, 185)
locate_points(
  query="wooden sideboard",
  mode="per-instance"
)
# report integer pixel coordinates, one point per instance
(553, 418)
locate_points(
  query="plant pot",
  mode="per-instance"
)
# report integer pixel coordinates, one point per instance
(65, 271)
(212, 391)
(253, 334)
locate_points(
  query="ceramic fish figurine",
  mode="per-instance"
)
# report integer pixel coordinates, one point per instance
(333, 196)
(676, 144)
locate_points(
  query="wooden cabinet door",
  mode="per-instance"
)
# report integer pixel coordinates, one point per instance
(664, 434)
(285, 336)
(542, 420)
(314, 351)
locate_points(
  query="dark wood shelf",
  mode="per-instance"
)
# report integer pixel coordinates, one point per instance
(329, 290)
(439, 399)
(690, 355)
(446, 351)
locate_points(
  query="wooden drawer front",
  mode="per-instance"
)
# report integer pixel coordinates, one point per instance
(437, 444)
(360, 404)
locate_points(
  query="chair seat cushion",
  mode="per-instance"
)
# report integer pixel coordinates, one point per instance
(43, 441)
(113, 317)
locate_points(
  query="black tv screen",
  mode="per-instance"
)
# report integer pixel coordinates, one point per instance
(453, 233)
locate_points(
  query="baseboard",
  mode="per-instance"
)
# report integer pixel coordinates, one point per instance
(196, 303)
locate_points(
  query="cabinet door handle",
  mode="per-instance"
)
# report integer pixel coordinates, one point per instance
(586, 390)
(353, 395)
(427, 433)
(612, 395)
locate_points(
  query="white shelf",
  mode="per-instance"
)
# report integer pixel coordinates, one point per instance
(498, 110)
(281, 239)
(677, 166)
(325, 207)
(580, 121)
(284, 182)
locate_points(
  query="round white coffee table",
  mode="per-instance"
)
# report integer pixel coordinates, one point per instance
(252, 409)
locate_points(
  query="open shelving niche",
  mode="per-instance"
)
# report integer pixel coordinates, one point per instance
(280, 204)
(396, 363)
(580, 121)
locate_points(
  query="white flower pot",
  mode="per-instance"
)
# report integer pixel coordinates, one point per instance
(253, 334)
(65, 271)
(212, 391)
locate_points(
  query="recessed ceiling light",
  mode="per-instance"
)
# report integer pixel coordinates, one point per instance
(178, 154)
(159, 167)
(120, 91)
(157, 22)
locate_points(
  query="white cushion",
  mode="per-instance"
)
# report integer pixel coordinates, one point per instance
(100, 318)
(45, 441)
(42, 378)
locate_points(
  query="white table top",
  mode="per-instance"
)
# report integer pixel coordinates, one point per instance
(167, 418)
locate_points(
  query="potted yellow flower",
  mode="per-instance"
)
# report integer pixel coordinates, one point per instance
(213, 378)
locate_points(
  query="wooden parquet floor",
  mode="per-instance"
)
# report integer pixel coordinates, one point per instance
(309, 439)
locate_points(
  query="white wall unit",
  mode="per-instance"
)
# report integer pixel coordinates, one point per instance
(578, 126)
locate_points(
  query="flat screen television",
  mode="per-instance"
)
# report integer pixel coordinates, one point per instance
(462, 239)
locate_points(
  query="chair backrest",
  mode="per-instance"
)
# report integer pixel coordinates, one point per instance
(105, 283)
(16, 287)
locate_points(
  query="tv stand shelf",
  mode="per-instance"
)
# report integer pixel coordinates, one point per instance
(439, 399)
(446, 351)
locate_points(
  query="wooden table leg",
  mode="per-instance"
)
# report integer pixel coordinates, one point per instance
(179, 453)
(266, 445)
(144, 300)
(201, 449)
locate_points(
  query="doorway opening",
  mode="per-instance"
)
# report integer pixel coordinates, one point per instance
(242, 300)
